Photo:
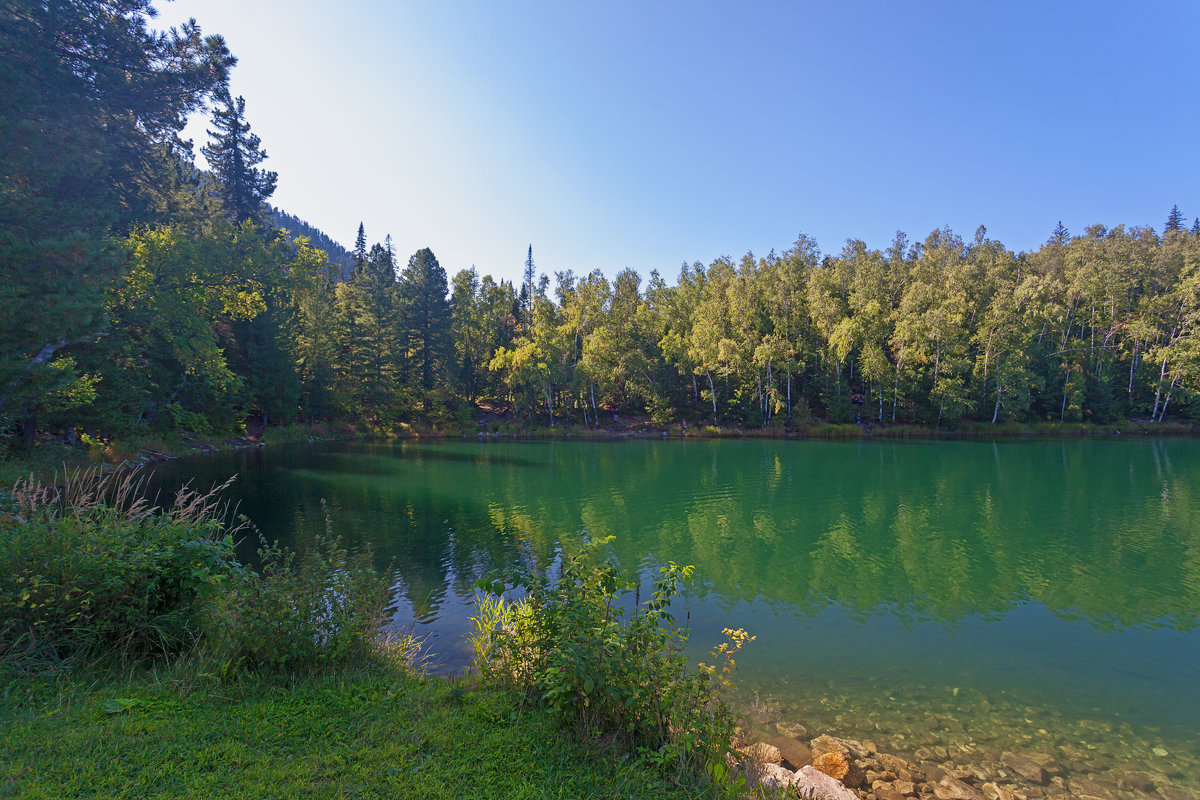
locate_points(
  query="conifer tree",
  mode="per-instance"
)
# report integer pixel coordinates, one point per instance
(527, 292)
(1060, 235)
(1174, 220)
(360, 249)
(234, 155)
(427, 320)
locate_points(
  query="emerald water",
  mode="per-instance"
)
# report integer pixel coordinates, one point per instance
(972, 596)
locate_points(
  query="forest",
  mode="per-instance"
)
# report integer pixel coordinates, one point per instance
(140, 292)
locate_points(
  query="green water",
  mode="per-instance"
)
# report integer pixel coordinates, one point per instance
(969, 595)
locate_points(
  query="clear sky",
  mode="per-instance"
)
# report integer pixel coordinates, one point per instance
(643, 134)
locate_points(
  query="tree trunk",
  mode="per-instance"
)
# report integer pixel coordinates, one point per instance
(1162, 375)
(549, 405)
(1167, 402)
(28, 430)
(996, 412)
(713, 390)
(1062, 414)
(789, 393)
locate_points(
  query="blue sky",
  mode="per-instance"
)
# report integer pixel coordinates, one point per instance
(645, 134)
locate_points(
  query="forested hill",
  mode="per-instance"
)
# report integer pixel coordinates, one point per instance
(316, 237)
(138, 293)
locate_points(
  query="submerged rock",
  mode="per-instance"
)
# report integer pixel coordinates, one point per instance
(1168, 792)
(793, 730)
(1027, 768)
(794, 752)
(953, 789)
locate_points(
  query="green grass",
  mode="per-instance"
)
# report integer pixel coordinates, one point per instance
(363, 732)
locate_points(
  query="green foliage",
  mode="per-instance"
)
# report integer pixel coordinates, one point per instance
(91, 568)
(569, 645)
(324, 606)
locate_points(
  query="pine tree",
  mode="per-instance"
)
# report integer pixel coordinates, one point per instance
(427, 320)
(1060, 234)
(360, 249)
(234, 155)
(1174, 220)
(527, 291)
(92, 104)
(1196, 226)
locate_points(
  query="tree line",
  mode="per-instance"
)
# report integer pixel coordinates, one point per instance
(140, 292)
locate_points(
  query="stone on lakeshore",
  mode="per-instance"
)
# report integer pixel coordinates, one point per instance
(827, 744)
(793, 730)
(833, 764)
(761, 752)
(795, 753)
(1027, 768)
(1169, 792)
(766, 774)
(812, 784)
(892, 763)
(885, 791)
(905, 787)
(923, 754)
(953, 789)
(998, 791)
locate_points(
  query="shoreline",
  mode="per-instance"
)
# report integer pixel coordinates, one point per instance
(50, 458)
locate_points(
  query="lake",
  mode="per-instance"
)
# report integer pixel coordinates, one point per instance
(973, 596)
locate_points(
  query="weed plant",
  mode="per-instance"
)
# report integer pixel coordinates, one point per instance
(92, 566)
(325, 606)
(92, 570)
(568, 646)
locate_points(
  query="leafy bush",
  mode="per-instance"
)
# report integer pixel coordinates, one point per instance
(325, 606)
(92, 566)
(567, 644)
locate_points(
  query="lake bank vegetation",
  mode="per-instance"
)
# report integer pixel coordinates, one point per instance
(144, 297)
(122, 619)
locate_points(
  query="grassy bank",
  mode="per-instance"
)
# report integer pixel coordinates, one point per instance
(366, 732)
(139, 658)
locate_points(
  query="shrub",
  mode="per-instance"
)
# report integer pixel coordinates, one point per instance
(568, 645)
(325, 606)
(92, 566)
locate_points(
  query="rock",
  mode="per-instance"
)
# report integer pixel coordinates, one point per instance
(772, 776)
(923, 754)
(1086, 787)
(953, 789)
(833, 764)
(812, 784)
(795, 753)
(1027, 768)
(827, 744)
(762, 753)
(892, 763)
(1168, 792)
(1137, 781)
(793, 730)
(998, 791)
(1046, 762)
(905, 787)
(885, 791)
